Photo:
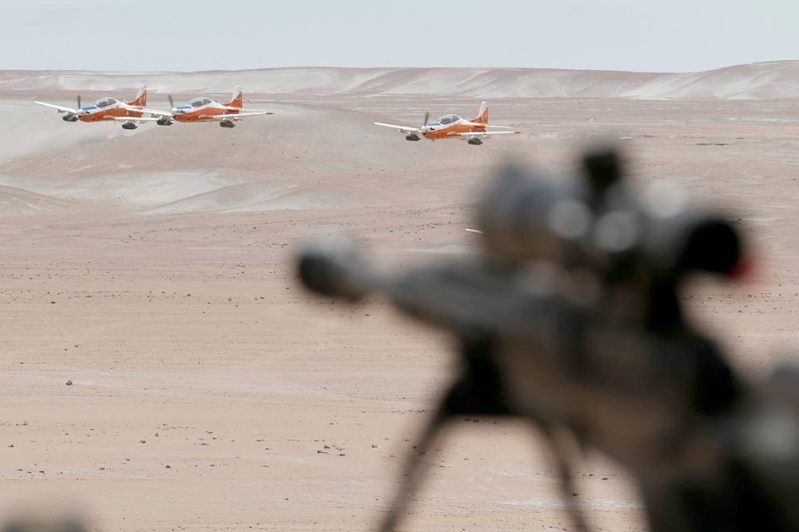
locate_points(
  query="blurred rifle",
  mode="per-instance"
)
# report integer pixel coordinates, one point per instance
(569, 316)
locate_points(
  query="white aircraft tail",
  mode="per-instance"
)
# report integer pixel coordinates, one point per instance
(482, 114)
(237, 100)
(141, 97)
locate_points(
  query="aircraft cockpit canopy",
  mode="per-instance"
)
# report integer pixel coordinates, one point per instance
(105, 102)
(200, 101)
(447, 119)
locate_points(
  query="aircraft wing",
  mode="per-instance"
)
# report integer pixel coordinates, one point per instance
(59, 108)
(400, 128)
(133, 119)
(144, 110)
(239, 115)
(483, 133)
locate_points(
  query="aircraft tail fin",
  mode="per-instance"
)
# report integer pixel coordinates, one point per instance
(237, 99)
(141, 98)
(482, 114)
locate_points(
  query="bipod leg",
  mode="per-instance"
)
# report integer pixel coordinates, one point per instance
(478, 391)
(562, 459)
(415, 468)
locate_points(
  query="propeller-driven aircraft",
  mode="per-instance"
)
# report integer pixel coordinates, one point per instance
(105, 109)
(454, 127)
(204, 109)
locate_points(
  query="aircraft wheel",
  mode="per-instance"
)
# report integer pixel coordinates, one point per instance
(227, 123)
(129, 126)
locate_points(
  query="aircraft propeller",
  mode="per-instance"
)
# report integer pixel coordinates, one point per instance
(426, 118)
(73, 116)
(167, 120)
(174, 109)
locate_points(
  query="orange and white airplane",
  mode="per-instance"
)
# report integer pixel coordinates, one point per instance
(106, 109)
(203, 109)
(454, 127)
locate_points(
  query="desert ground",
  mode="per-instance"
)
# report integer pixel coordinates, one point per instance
(153, 270)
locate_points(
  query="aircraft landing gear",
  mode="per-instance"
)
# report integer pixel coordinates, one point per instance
(69, 118)
(475, 141)
(129, 126)
(164, 122)
(413, 137)
(227, 123)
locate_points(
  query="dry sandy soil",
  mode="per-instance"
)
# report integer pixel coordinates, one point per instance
(153, 270)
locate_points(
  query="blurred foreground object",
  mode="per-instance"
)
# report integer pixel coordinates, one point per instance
(569, 316)
(39, 525)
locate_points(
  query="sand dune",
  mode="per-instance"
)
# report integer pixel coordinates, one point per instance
(17, 202)
(250, 197)
(754, 81)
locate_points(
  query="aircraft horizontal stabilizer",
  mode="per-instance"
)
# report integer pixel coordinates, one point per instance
(129, 107)
(229, 108)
